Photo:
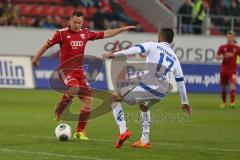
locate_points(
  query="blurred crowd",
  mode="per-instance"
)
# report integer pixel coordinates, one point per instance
(224, 15)
(106, 14)
(229, 10)
(8, 14)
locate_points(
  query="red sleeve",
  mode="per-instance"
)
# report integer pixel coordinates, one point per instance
(56, 38)
(238, 51)
(95, 35)
(219, 52)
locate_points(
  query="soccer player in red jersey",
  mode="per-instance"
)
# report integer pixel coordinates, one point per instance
(73, 40)
(228, 53)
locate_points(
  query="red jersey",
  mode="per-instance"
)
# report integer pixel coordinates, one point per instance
(72, 44)
(229, 53)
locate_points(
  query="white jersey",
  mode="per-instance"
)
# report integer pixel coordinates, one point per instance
(161, 61)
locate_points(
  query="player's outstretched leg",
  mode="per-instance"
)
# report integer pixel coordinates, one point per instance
(232, 95)
(64, 103)
(83, 117)
(224, 95)
(119, 118)
(146, 121)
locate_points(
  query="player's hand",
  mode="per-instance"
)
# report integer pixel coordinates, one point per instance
(187, 108)
(108, 55)
(35, 63)
(219, 57)
(128, 28)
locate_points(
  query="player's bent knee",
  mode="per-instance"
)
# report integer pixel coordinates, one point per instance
(143, 108)
(86, 100)
(232, 86)
(73, 91)
(116, 97)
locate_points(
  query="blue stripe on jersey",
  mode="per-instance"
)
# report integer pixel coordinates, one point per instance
(150, 90)
(179, 79)
(141, 47)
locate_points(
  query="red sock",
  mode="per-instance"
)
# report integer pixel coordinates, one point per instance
(224, 96)
(65, 101)
(83, 118)
(232, 96)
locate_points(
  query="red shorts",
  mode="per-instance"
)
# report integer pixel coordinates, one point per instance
(227, 78)
(77, 80)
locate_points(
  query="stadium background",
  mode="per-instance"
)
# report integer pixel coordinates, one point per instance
(27, 24)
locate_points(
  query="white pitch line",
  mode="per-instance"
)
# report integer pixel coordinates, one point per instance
(162, 144)
(49, 154)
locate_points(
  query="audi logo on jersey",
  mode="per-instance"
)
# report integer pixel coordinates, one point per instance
(76, 43)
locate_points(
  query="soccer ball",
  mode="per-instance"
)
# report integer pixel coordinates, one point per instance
(63, 132)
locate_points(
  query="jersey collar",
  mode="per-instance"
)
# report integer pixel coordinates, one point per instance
(69, 27)
(169, 45)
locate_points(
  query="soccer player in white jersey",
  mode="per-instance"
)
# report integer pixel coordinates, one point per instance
(152, 87)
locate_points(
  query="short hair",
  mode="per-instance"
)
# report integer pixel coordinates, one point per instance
(77, 13)
(230, 33)
(167, 34)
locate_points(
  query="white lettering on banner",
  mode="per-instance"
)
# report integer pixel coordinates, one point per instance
(134, 72)
(43, 74)
(16, 72)
(205, 80)
(100, 76)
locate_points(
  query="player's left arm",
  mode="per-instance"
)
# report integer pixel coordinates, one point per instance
(238, 53)
(108, 33)
(114, 32)
(182, 88)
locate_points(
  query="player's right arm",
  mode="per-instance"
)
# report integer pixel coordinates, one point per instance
(41, 51)
(219, 54)
(56, 38)
(178, 73)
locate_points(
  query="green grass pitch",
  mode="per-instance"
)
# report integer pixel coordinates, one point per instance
(27, 130)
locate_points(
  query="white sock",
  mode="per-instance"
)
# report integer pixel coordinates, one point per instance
(119, 116)
(146, 121)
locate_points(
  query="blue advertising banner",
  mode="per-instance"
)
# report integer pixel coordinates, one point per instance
(94, 69)
(44, 71)
(95, 72)
(203, 78)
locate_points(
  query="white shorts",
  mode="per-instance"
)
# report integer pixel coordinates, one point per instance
(144, 94)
